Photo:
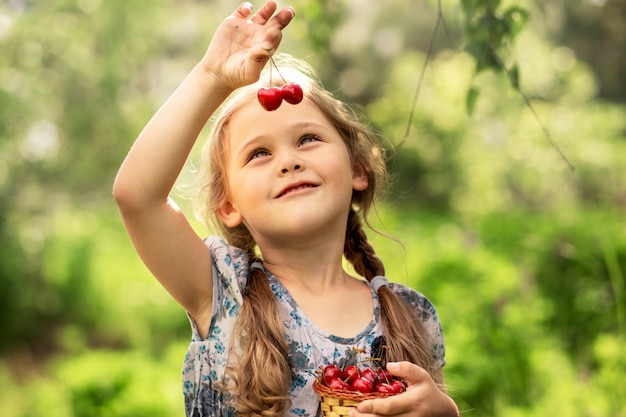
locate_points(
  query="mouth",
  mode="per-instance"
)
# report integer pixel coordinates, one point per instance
(294, 188)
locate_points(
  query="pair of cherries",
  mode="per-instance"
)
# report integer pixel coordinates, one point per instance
(272, 97)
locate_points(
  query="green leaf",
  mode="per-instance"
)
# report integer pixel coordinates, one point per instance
(514, 75)
(469, 7)
(470, 100)
(482, 54)
(515, 18)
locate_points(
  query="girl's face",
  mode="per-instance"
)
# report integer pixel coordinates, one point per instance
(289, 174)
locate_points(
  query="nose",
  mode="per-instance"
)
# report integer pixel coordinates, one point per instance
(295, 167)
(289, 161)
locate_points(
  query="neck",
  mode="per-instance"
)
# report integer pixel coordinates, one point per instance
(311, 264)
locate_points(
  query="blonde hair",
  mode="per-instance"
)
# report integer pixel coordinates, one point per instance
(260, 375)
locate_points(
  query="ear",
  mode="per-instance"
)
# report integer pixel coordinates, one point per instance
(229, 214)
(359, 177)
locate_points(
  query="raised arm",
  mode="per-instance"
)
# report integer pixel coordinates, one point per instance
(176, 256)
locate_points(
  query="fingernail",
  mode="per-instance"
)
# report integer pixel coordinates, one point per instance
(392, 366)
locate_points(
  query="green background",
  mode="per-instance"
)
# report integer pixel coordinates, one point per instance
(523, 256)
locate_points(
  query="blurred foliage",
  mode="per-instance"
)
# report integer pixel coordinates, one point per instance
(503, 314)
(524, 257)
(594, 29)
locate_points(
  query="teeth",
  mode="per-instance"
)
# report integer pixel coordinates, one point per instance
(296, 189)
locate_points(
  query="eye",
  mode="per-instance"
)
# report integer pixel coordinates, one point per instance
(257, 153)
(308, 139)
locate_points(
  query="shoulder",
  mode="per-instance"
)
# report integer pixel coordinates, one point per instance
(216, 243)
(228, 261)
(415, 298)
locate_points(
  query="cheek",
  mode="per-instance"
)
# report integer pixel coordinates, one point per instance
(248, 181)
(246, 187)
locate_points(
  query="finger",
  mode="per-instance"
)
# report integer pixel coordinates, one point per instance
(283, 17)
(412, 374)
(390, 406)
(273, 35)
(262, 53)
(265, 13)
(271, 40)
(243, 11)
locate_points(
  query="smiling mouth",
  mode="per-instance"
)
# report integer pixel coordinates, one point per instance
(293, 189)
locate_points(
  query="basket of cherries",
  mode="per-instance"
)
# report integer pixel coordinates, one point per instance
(340, 390)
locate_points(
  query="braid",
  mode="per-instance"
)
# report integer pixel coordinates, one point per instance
(406, 338)
(405, 334)
(261, 375)
(358, 250)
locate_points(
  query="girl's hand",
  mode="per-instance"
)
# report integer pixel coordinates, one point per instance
(242, 45)
(422, 396)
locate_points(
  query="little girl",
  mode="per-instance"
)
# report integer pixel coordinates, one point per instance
(270, 302)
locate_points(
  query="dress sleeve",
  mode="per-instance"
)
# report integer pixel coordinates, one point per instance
(430, 319)
(230, 266)
(230, 275)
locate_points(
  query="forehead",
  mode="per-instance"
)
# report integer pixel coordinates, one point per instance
(253, 120)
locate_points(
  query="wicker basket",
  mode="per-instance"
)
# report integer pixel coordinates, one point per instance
(336, 403)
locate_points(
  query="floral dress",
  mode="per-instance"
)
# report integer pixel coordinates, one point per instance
(309, 346)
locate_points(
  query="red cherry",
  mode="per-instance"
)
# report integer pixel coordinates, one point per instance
(398, 386)
(370, 374)
(351, 373)
(363, 385)
(270, 98)
(385, 388)
(338, 384)
(330, 372)
(292, 93)
(385, 376)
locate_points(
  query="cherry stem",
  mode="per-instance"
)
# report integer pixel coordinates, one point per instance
(271, 73)
(273, 63)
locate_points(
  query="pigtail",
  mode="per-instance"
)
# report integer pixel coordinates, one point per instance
(358, 250)
(406, 338)
(260, 375)
(405, 335)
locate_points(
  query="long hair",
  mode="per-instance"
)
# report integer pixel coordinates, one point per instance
(259, 375)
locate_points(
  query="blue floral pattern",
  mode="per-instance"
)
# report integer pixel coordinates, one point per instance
(309, 346)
